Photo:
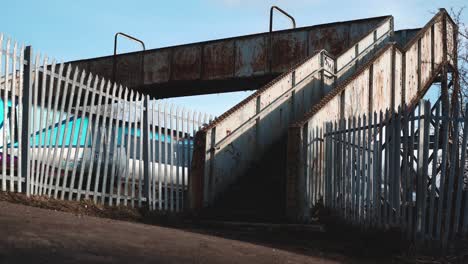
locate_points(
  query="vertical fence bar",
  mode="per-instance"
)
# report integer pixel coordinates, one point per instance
(358, 172)
(155, 160)
(65, 136)
(332, 165)
(79, 188)
(21, 177)
(80, 132)
(108, 142)
(50, 149)
(129, 145)
(101, 142)
(375, 172)
(160, 159)
(328, 152)
(391, 167)
(380, 207)
(177, 159)
(396, 164)
(114, 147)
(50, 128)
(82, 117)
(47, 124)
(5, 117)
(171, 154)
(40, 127)
(166, 163)
(465, 210)
(349, 170)
(96, 123)
(3, 87)
(317, 161)
(58, 136)
(443, 173)
(427, 121)
(122, 103)
(140, 160)
(404, 180)
(461, 176)
(435, 151)
(309, 169)
(26, 153)
(134, 148)
(411, 178)
(146, 163)
(34, 119)
(12, 119)
(185, 162)
(343, 166)
(369, 170)
(386, 201)
(72, 135)
(353, 170)
(363, 171)
(451, 178)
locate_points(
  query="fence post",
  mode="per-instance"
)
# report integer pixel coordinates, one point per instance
(146, 164)
(26, 100)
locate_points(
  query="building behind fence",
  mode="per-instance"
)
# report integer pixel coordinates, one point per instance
(404, 168)
(69, 134)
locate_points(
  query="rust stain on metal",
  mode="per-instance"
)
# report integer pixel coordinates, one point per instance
(251, 57)
(186, 64)
(244, 58)
(218, 60)
(332, 39)
(287, 50)
(157, 67)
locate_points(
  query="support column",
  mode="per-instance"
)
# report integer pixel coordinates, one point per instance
(25, 137)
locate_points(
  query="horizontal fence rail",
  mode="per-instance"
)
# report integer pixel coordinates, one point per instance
(405, 168)
(88, 138)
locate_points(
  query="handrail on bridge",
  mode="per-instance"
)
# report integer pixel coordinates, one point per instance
(284, 13)
(271, 30)
(114, 65)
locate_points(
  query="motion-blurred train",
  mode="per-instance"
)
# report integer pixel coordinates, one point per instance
(169, 159)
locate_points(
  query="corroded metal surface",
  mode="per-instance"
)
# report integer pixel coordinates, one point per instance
(240, 63)
(414, 86)
(235, 140)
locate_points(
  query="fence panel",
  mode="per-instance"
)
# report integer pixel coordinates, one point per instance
(12, 64)
(85, 137)
(402, 169)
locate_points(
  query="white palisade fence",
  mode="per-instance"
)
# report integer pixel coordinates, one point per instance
(401, 169)
(69, 134)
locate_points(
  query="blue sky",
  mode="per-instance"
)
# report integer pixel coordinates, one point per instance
(69, 30)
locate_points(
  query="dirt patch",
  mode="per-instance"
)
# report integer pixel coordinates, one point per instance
(339, 242)
(84, 207)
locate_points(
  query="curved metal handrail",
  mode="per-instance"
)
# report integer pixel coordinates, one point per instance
(271, 30)
(284, 13)
(114, 65)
